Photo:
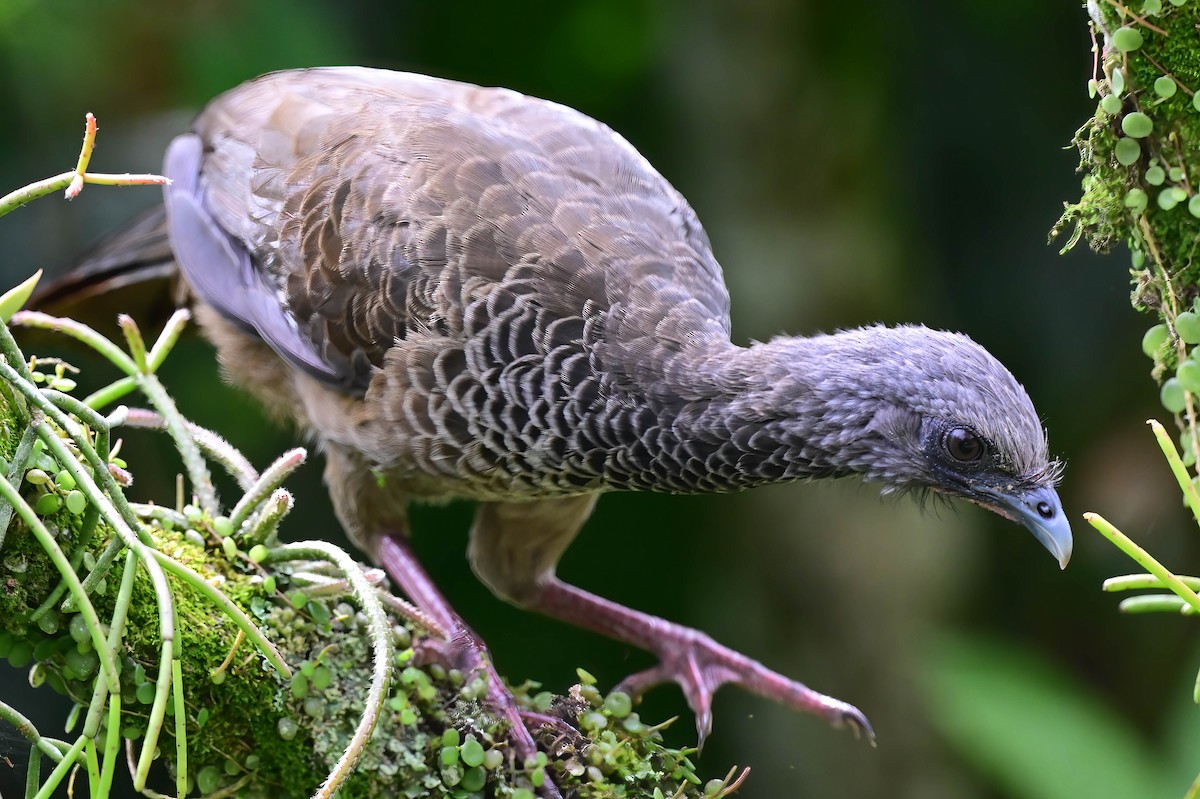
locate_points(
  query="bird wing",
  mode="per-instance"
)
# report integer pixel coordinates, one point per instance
(336, 211)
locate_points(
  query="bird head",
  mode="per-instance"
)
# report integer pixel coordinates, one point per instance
(926, 410)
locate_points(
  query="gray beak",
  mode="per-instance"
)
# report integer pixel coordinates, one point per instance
(1041, 511)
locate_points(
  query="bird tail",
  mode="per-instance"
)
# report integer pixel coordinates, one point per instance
(130, 271)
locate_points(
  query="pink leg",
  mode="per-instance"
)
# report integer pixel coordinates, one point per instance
(464, 651)
(690, 658)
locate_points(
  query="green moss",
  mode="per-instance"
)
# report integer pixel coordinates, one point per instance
(1145, 201)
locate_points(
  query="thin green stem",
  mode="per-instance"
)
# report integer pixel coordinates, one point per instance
(60, 771)
(162, 692)
(125, 179)
(212, 445)
(79, 332)
(381, 640)
(27, 194)
(87, 529)
(134, 340)
(1155, 603)
(235, 614)
(86, 414)
(16, 472)
(116, 632)
(85, 156)
(28, 731)
(10, 350)
(1131, 582)
(92, 757)
(164, 516)
(33, 775)
(1143, 559)
(266, 524)
(110, 393)
(176, 425)
(1190, 494)
(181, 750)
(112, 745)
(98, 572)
(95, 709)
(167, 338)
(270, 479)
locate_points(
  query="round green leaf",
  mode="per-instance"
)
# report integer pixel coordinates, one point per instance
(1126, 39)
(1127, 151)
(1187, 325)
(1154, 339)
(1165, 87)
(1188, 375)
(1172, 396)
(1170, 197)
(1137, 125)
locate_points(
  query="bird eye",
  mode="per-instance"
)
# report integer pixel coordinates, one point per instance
(963, 445)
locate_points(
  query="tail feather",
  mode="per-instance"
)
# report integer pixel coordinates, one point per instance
(131, 271)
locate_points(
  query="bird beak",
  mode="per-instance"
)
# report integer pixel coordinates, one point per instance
(1041, 511)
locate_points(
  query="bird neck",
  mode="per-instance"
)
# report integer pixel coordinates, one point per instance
(732, 417)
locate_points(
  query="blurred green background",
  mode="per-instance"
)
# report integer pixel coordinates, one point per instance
(852, 163)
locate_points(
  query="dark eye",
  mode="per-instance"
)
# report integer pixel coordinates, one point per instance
(963, 445)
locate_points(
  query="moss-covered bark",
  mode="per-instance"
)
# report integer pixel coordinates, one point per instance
(1140, 163)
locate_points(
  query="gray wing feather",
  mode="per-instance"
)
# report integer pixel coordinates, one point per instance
(220, 270)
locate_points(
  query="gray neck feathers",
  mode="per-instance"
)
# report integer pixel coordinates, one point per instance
(724, 418)
(735, 417)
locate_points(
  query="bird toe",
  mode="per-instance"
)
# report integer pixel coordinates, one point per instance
(857, 722)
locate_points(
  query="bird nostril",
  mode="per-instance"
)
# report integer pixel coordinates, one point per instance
(1045, 510)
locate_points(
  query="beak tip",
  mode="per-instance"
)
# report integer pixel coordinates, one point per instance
(1040, 511)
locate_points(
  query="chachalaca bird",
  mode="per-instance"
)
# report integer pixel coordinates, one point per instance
(464, 292)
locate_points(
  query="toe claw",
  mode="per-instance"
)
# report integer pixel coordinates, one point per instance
(854, 718)
(704, 723)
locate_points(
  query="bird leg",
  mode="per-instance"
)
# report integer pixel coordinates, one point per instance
(688, 657)
(463, 650)
(515, 547)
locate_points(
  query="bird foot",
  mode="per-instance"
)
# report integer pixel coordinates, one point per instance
(463, 650)
(699, 665)
(690, 658)
(467, 653)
